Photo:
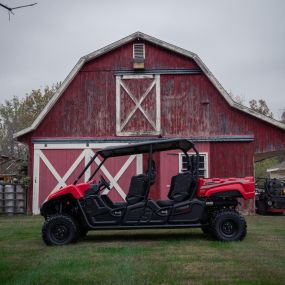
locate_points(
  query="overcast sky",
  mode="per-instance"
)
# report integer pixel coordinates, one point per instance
(242, 42)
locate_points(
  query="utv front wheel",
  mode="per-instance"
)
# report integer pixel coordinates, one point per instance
(228, 225)
(59, 230)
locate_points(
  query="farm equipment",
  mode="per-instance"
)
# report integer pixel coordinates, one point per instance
(209, 204)
(270, 196)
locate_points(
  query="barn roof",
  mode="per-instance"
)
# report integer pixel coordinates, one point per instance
(157, 42)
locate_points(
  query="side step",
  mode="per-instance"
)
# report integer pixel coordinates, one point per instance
(136, 227)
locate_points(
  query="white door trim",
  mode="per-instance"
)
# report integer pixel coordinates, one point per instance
(84, 155)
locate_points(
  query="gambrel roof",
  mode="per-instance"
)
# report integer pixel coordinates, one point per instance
(130, 38)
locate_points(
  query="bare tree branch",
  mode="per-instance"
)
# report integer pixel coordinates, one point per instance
(10, 9)
(6, 7)
(24, 6)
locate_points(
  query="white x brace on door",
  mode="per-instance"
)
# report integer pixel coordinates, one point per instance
(82, 157)
(137, 104)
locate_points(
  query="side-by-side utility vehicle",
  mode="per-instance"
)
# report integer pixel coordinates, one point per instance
(192, 201)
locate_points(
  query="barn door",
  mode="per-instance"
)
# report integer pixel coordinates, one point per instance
(57, 165)
(138, 105)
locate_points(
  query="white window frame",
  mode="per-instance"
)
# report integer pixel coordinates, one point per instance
(206, 161)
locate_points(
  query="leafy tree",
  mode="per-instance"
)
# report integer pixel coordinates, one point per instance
(261, 107)
(16, 114)
(34, 103)
(9, 124)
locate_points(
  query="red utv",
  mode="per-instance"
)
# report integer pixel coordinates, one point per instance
(192, 201)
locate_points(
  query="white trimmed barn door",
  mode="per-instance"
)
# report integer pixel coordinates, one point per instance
(138, 105)
(57, 165)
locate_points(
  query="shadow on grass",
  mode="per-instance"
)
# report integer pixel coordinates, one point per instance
(135, 237)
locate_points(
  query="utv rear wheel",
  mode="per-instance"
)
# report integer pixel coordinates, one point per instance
(228, 225)
(60, 230)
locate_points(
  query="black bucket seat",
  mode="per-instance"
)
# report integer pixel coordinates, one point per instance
(181, 187)
(138, 189)
(137, 192)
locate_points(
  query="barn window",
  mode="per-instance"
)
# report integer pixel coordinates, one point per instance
(139, 51)
(203, 164)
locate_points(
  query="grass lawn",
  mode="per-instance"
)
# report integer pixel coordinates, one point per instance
(183, 256)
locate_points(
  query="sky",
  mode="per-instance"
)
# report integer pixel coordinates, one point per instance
(241, 42)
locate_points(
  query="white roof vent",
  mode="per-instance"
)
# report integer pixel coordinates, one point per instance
(139, 51)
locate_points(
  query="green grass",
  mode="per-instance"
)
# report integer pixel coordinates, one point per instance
(183, 256)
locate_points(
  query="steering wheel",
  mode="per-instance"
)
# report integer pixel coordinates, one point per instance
(104, 182)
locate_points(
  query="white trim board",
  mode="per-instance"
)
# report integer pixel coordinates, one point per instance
(147, 38)
(76, 146)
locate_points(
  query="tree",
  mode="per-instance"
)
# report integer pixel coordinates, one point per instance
(238, 99)
(9, 124)
(34, 103)
(261, 107)
(16, 114)
(283, 117)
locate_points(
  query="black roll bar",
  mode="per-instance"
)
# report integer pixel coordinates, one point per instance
(197, 163)
(108, 152)
(149, 171)
(85, 168)
(96, 170)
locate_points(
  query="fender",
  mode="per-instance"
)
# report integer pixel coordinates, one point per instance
(243, 186)
(77, 191)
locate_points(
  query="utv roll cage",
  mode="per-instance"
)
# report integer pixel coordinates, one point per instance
(192, 163)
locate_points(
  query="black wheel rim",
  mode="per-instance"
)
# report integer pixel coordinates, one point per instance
(60, 233)
(229, 228)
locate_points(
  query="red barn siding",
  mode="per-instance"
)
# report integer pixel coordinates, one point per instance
(234, 159)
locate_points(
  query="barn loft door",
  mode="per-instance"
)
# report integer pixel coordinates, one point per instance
(138, 105)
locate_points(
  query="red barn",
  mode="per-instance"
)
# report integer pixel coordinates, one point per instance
(141, 88)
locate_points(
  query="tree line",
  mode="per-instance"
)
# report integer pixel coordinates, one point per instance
(17, 114)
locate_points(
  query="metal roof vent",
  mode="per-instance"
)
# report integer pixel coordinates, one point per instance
(138, 56)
